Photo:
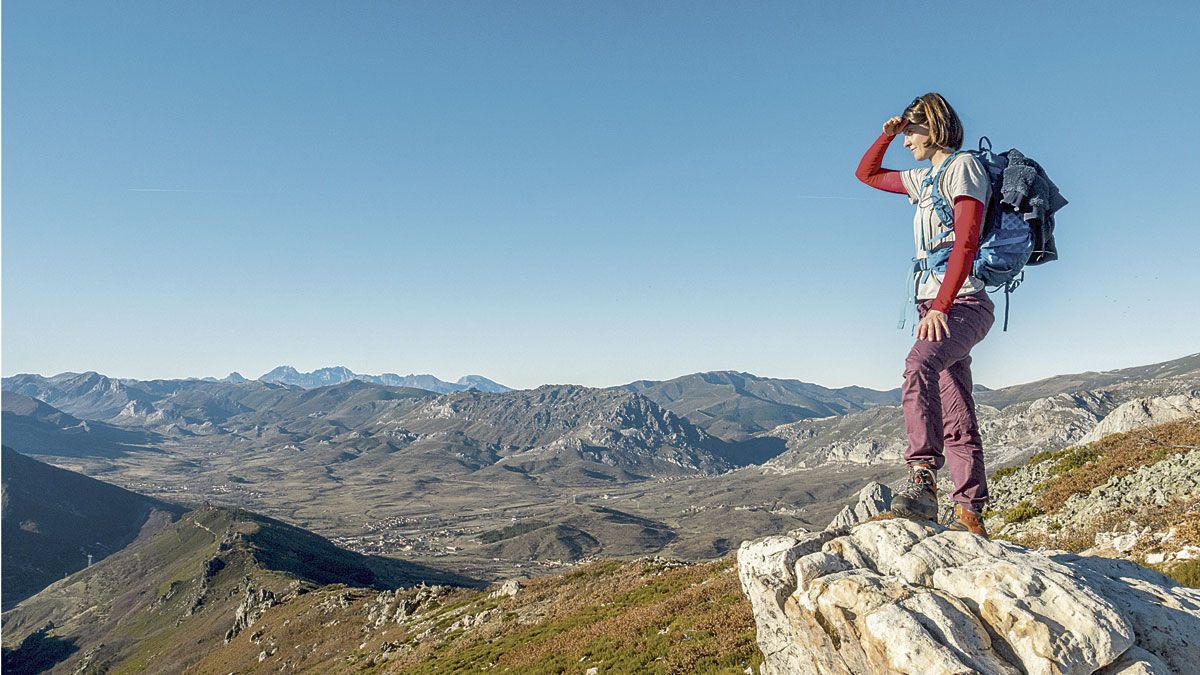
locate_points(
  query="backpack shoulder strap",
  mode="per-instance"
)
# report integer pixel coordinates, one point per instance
(941, 207)
(939, 202)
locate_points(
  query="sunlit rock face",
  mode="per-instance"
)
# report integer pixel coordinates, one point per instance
(896, 596)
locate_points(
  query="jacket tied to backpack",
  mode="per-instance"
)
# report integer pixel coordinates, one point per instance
(1027, 189)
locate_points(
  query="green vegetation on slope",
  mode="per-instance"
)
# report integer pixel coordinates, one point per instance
(168, 599)
(1079, 470)
(640, 616)
(623, 617)
(492, 536)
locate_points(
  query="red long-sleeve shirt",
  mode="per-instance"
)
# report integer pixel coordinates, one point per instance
(968, 214)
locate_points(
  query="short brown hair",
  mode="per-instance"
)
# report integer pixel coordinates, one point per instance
(932, 110)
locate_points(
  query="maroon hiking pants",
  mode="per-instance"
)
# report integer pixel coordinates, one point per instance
(939, 410)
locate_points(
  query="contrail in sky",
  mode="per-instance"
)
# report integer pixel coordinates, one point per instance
(853, 199)
(239, 192)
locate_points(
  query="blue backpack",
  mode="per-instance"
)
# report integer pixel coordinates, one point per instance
(1008, 239)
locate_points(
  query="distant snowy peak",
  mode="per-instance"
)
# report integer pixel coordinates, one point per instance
(283, 375)
(482, 384)
(323, 377)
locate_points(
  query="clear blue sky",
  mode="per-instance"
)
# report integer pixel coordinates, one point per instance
(568, 191)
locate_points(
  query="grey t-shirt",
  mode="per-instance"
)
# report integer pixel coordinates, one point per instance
(964, 175)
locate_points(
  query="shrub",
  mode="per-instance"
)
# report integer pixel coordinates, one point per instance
(1021, 512)
(1045, 456)
(1004, 472)
(1073, 458)
(1186, 573)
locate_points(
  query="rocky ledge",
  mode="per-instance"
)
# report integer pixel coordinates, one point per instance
(896, 596)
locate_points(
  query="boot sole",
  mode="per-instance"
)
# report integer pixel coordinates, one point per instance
(959, 527)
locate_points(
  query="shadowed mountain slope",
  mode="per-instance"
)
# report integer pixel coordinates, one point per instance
(34, 427)
(54, 519)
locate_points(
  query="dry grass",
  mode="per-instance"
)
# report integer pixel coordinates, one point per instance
(1081, 469)
(1071, 538)
(621, 616)
(1180, 515)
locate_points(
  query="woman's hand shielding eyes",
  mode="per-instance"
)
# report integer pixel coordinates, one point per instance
(933, 326)
(894, 125)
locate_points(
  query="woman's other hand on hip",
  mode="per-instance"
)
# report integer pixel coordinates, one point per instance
(933, 326)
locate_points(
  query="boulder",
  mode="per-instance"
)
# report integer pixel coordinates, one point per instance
(1144, 412)
(898, 596)
(508, 589)
(873, 500)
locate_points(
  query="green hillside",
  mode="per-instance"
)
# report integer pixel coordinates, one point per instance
(167, 599)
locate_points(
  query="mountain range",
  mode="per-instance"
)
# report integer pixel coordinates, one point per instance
(380, 468)
(323, 377)
(261, 493)
(736, 406)
(1016, 422)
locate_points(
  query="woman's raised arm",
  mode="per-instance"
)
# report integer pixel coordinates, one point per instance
(870, 167)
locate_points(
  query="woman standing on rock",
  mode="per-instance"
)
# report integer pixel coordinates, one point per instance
(955, 311)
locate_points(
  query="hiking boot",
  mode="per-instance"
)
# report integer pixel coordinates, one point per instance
(918, 499)
(967, 520)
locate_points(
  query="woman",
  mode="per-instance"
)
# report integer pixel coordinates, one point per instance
(955, 311)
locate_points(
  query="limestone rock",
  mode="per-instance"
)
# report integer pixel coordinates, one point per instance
(897, 596)
(873, 500)
(1137, 661)
(509, 588)
(1166, 617)
(766, 569)
(254, 603)
(1144, 412)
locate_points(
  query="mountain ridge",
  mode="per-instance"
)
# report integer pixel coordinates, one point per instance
(322, 377)
(736, 405)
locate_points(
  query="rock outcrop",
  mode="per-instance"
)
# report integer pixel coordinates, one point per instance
(255, 602)
(873, 500)
(1144, 412)
(897, 596)
(1133, 495)
(507, 590)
